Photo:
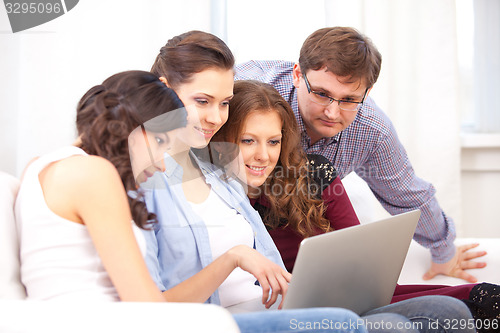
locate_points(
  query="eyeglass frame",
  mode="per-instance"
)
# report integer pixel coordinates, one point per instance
(323, 95)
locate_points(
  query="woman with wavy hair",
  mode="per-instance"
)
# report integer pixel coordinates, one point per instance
(286, 186)
(309, 198)
(298, 196)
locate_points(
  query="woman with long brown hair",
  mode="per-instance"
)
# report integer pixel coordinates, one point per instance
(298, 196)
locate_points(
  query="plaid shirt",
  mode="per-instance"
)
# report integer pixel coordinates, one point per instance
(371, 148)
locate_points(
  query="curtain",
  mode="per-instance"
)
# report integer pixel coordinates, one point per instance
(418, 86)
(45, 70)
(487, 65)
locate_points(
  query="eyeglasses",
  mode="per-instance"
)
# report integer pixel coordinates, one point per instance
(323, 99)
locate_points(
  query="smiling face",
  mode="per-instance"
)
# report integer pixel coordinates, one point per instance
(207, 98)
(146, 152)
(260, 146)
(326, 121)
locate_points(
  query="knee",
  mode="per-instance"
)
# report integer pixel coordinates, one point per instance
(329, 319)
(389, 322)
(301, 320)
(449, 307)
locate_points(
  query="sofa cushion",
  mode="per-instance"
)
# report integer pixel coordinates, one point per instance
(10, 284)
(25, 316)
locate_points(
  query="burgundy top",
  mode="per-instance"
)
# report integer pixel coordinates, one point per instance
(341, 215)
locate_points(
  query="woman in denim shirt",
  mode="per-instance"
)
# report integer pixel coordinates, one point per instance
(206, 223)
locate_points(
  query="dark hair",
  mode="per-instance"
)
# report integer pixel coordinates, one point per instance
(190, 53)
(302, 210)
(344, 52)
(108, 113)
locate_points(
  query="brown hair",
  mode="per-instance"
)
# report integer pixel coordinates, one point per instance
(108, 113)
(344, 52)
(190, 53)
(296, 204)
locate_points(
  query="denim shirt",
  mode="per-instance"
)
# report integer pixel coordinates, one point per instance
(178, 247)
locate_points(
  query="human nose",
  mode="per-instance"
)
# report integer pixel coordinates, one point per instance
(332, 111)
(261, 153)
(213, 116)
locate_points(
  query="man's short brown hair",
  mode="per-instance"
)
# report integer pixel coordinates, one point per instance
(344, 52)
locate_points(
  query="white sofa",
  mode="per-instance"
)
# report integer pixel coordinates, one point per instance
(23, 316)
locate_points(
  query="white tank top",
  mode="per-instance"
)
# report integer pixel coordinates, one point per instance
(58, 259)
(226, 229)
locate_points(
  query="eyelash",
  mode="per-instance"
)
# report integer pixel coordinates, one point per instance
(201, 101)
(250, 141)
(205, 102)
(161, 139)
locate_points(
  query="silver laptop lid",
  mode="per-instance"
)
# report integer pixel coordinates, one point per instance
(355, 268)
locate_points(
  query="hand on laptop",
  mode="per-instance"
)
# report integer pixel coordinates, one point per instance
(458, 264)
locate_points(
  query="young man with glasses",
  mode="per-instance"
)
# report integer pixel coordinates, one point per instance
(328, 90)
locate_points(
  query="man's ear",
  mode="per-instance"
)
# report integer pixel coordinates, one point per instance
(297, 74)
(164, 80)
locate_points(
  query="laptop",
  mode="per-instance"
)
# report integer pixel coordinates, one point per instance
(356, 268)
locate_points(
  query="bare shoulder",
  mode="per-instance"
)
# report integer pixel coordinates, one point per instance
(90, 166)
(81, 173)
(74, 183)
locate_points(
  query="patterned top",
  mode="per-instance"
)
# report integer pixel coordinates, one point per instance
(371, 148)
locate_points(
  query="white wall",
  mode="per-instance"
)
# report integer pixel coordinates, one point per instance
(480, 177)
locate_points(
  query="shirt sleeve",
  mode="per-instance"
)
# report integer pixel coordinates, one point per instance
(393, 181)
(250, 70)
(151, 256)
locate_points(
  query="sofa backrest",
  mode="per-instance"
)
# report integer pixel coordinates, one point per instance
(10, 283)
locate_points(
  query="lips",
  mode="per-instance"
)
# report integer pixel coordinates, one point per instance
(207, 133)
(256, 170)
(328, 122)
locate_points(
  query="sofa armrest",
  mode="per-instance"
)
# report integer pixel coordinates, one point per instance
(10, 284)
(418, 261)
